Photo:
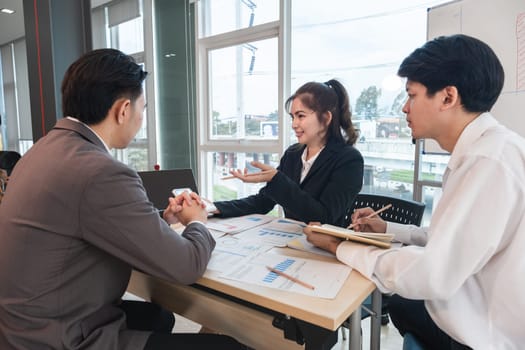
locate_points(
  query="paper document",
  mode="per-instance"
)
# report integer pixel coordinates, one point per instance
(300, 243)
(230, 251)
(286, 225)
(326, 277)
(277, 233)
(238, 224)
(179, 228)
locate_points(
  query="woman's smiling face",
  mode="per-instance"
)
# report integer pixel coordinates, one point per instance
(306, 125)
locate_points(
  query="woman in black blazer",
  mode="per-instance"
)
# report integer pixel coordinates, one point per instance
(318, 177)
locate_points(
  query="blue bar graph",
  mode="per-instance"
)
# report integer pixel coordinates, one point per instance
(282, 266)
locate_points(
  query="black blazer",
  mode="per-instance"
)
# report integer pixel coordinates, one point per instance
(325, 195)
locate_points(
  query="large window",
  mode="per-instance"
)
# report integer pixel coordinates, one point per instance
(240, 91)
(15, 115)
(120, 25)
(361, 43)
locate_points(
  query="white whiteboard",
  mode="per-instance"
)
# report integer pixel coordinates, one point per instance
(501, 24)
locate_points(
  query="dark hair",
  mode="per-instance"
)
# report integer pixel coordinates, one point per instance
(8, 160)
(96, 80)
(461, 61)
(328, 97)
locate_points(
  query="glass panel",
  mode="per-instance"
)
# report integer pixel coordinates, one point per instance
(244, 91)
(220, 16)
(130, 36)
(222, 162)
(174, 64)
(433, 167)
(367, 41)
(389, 167)
(431, 197)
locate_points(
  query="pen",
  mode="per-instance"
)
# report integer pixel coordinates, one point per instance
(374, 213)
(250, 174)
(291, 278)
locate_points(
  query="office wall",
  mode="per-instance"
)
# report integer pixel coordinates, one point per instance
(502, 27)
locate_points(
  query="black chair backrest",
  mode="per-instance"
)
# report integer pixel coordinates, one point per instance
(159, 183)
(8, 160)
(403, 211)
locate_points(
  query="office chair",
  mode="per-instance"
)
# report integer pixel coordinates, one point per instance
(410, 342)
(159, 183)
(403, 211)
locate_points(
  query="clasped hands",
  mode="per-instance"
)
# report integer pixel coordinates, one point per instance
(185, 208)
(361, 223)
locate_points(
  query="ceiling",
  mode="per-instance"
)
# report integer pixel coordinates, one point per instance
(11, 26)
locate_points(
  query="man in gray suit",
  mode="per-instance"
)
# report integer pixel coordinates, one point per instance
(75, 221)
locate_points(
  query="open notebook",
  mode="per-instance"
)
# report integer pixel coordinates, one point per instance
(381, 240)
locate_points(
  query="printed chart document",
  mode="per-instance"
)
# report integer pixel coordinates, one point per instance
(179, 228)
(381, 240)
(238, 224)
(300, 243)
(277, 232)
(327, 278)
(230, 251)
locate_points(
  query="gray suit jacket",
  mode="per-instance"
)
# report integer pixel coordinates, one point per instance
(73, 223)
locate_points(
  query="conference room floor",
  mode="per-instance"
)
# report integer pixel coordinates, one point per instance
(390, 338)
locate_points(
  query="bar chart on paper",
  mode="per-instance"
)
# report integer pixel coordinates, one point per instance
(282, 266)
(326, 277)
(277, 233)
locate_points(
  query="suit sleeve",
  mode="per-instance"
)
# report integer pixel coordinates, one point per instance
(119, 219)
(255, 204)
(339, 184)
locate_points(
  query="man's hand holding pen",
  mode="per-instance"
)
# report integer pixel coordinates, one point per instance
(366, 220)
(363, 219)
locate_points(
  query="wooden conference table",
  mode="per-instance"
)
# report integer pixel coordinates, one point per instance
(260, 316)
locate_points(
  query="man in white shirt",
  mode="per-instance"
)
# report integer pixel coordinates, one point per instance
(459, 283)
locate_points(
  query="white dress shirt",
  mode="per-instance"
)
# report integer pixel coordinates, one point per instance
(471, 270)
(307, 164)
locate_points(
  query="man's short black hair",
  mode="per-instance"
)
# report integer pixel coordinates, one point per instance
(461, 61)
(96, 80)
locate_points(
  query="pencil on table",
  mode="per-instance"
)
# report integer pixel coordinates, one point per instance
(250, 174)
(291, 278)
(373, 214)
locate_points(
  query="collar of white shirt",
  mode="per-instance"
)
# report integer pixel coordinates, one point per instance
(307, 164)
(472, 132)
(93, 131)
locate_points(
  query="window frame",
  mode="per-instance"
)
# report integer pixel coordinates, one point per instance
(279, 29)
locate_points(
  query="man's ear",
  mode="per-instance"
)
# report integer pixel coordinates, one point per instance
(121, 109)
(450, 97)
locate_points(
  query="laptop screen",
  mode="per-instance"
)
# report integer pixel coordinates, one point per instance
(160, 183)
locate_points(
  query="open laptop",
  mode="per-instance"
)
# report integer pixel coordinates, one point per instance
(160, 183)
